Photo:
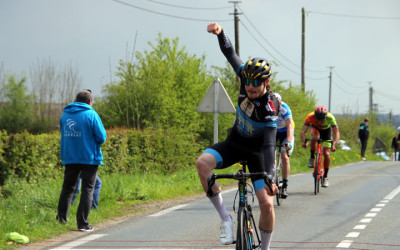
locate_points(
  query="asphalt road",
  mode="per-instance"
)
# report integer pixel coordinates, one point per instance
(359, 210)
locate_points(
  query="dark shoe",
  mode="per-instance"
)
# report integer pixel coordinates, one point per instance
(284, 193)
(61, 221)
(87, 228)
(311, 163)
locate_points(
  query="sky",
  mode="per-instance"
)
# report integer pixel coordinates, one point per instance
(358, 39)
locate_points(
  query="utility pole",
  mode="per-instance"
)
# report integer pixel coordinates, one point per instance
(236, 19)
(330, 87)
(371, 91)
(303, 35)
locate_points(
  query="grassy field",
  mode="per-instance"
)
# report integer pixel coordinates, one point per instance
(31, 209)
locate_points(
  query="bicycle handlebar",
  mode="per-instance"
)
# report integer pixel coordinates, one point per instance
(317, 140)
(280, 146)
(240, 175)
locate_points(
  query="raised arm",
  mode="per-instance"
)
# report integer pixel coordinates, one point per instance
(214, 28)
(226, 46)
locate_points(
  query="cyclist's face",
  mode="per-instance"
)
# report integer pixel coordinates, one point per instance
(259, 90)
(320, 122)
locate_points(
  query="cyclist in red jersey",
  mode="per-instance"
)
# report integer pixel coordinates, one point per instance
(322, 124)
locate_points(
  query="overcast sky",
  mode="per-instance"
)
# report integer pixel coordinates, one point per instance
(359, 38)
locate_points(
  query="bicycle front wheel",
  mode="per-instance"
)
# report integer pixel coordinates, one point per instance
(279, 183)
(316, 174)
(244, 235)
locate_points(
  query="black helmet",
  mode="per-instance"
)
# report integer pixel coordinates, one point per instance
(257, 68)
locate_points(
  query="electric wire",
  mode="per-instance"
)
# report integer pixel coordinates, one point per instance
(185, 7)
(385, 95)
(352, 16)
(260, 34)
(341, 78)
(347, 91)
(279, 62)
(168, 15)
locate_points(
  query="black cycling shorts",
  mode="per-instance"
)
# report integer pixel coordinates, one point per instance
(259, 156)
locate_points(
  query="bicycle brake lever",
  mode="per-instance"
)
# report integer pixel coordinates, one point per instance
(210, 182)
(268, 180)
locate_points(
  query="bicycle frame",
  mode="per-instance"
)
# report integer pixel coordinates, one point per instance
(247, 236)
(278, 177)
(319, 170)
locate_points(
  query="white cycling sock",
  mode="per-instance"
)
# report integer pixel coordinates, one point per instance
(266, 236)
(218, 203)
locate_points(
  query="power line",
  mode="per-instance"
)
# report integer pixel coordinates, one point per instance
(168, 15)
(347, 91)
(287, 59)
(261, 45)
(341, 78)
(352, 16)
(184, 7)
(393, 97)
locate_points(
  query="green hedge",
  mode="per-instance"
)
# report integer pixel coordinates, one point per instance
(34, 157)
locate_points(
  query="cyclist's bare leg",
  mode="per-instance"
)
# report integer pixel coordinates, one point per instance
(285, 165)
(205, 164)
(327, 160)
(267, 217)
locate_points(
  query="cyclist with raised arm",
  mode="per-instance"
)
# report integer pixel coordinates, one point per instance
(252, 139)
(285, 137)
(322, 124)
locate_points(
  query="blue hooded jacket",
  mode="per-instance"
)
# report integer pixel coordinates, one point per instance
(82, 134)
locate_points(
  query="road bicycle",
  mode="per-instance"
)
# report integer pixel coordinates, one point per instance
(247, 236)
(278, 173)
(318, 172)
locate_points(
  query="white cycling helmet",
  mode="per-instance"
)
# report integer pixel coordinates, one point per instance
(398, 129)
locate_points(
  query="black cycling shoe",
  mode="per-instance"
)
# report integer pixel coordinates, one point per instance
(311, 163)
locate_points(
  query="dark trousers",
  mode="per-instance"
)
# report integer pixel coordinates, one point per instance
(72, 172)
(363, 146)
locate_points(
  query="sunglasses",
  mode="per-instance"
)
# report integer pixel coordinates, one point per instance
(254, 82)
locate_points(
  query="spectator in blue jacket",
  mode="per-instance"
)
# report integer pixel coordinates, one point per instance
(82, 134)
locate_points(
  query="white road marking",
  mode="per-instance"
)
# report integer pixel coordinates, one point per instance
(365, 220)
(80, 241)
(392, 194)
(344, 244)
(370, 215)
(168, 210)
(353, 235)
(359, 227)
(375, 209)
(368, 218)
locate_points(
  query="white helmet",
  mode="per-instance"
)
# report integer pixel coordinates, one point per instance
(279, 97)
(398, 129)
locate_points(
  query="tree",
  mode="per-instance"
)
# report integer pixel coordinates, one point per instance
(16, 112)
(160, 89)
(52, 88)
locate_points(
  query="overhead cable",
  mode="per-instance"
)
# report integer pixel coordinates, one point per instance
(352, 16)
(185, 7)
(179, 17)
(341, 78)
